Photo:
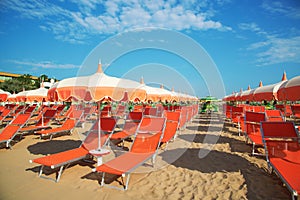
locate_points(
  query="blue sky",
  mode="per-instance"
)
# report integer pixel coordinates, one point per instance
(248, 41)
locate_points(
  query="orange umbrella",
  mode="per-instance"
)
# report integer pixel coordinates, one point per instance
(290, 90)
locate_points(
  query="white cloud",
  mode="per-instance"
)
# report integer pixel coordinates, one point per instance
(272, 49)
(45, 64)
(277, 7)
(278, 50)
(86, 18)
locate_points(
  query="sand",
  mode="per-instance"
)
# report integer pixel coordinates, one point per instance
(207, 160)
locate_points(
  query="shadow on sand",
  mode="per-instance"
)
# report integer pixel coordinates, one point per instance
(257, 180)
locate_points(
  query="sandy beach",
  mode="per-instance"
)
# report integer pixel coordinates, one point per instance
(192, 167)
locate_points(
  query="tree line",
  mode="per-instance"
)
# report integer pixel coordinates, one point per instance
(23, 82)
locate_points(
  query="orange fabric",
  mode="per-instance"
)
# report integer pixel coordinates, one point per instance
(151, 124)
(68, 125)
(170, 130)
(8, 132)
(289, 171)
(128, 130)
(21, 119)
(92, 142)
(279, 129)
(145, 143)
(274, 115)
(252, 126)
(62, 157)
(124, 163)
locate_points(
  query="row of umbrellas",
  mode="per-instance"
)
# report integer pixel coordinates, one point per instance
(285, 90)
(98, 87)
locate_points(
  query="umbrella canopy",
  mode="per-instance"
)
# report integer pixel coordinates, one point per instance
(12, 98)
(96, 87)
(268, 92)
(39, 95)
(208, 98)
(246, 95)
(21, 96)
(290, 90)
(3, 95)
(157, 94)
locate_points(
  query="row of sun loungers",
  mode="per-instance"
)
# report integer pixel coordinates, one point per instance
(148, 133)
(279, 138)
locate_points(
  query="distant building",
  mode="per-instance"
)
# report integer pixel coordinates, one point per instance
(8, 76)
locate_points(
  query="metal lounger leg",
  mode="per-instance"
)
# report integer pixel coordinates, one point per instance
(59, 173)
(253, 149)
(127, 181)
(41, 170)
(102, 181)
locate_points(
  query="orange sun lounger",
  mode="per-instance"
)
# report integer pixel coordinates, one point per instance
(144, 147)
(274, 115)
(172, 125)
(252, 128)
(131, 124)
(43, 123)
(281, 142)
(91, 142)
(67, 126)
(12, 129)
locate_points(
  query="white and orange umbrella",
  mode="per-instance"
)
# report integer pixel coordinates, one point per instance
(268, 92)
(37, 95)
(290, 90)
(21, 96)
(96, 87)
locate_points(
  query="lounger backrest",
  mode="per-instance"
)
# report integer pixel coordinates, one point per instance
(138, 108)
(254, 117)
(21, 119)
(296, 110)
(152, 124)
(8, 132)
(92, 140)
(274, 115)
(5, 112)
(150, 111)
(46, 118)
(145, 143)
(107, 124)
(258, 109)
(135, 116)
(30, 109)
(69, 124)
(236, 113)
(183, 117)
(279, 130)
(172, 116)
(76, 114)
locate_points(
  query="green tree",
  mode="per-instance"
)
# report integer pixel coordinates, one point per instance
(15, 85)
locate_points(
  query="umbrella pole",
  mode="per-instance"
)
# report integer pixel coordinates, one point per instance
(99, 129)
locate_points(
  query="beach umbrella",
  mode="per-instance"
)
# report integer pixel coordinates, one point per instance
(38, 95)
(12, 98)
(96, 87)
(21, 96)
(155, 94)
(208, 98)
(246, 95)
(4, 95)
(268, 92)
(290, 90)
